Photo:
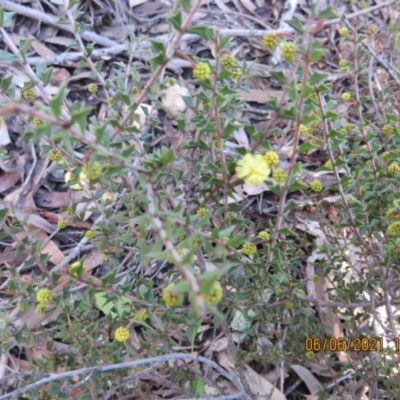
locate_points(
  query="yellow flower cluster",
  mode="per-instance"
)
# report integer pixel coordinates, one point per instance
(92, 88)
(393, 168)
(142, 314)
(236, 73)
(38, 121)
(271, 157)
(61, 224)
(328, 164)
(55, 155)
(343, 31)
(215, 295)
(249, 249)
(280, 175)
(270, 41)
(28, 94)
(202, 212)
(170, 297)
(387, 129)
(344, 67)
(44, 296)
(228, 61)
(394, 229)
(288, 51)
(316, 186)
(303, 130)
(264, 235)
(202, 71)
(89, 235)
(346, 96)
(121, 334)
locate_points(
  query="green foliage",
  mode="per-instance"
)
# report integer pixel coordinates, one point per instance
(177, 238)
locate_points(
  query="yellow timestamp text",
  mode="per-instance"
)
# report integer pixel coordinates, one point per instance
(371, 344)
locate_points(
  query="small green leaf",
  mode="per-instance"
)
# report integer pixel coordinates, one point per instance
(289, 112)
(279, 76)
(5, 83)
(5, 56)
(230, 128)
(185, 5)
(272, 103)
(181, 121)
(46, 76)
(3, 212)
(197, 387)
(89, 49)
(23, 47)
(103, 303)
(327, 14)
(158, 45)
(203, 31)
(317, 52)
(176, 20)
(296, 25)
(1, 16)
(317, 77)
(158, 59)
(188, 101)
(62, 21)
(56, 101)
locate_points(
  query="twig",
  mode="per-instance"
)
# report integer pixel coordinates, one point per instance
(132, 364)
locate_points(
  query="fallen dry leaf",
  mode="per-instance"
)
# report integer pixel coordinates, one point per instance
(259, 95)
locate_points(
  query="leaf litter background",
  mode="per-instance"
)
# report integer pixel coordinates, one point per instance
(36, 194)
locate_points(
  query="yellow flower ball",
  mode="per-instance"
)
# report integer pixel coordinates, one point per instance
(28, 94)
(108, 196)
(253, 169)
(394, 229)
(228, 61)
(55, 155)
(270, 41)
(215, 295)
(61, 224)
(142, 314)
(170, 297)
(44, 296)
(121, 334)
(316, 186)
(40, 308)
(249, 249)
(202, 212)
(303, 130)
(271, 157)
(236, 73)
(387, 129)
(288, 51)
(93, 88)
(343, 31)
(393, 168)
(280, 175)
(346, 96)
(264, 235)
(289, 305)
(202, 71)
